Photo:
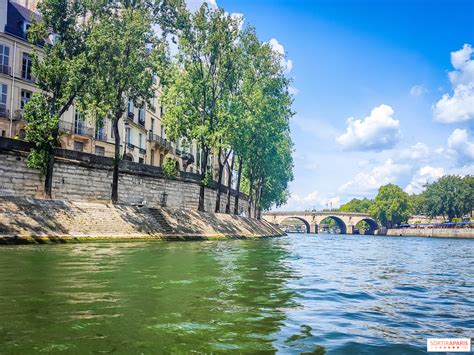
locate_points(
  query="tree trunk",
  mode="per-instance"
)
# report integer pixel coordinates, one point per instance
(250, 196)
(203, 176)
(115, 177)
(229, 183)
(237, 196)
(219, 182)
(48, 179)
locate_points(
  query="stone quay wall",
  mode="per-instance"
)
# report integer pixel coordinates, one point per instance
(86, 177)
(433, 232)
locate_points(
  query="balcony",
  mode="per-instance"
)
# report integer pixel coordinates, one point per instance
(4, 112)
(160, 141)
(79, 129)
(141, 120)
(132, 147)
(18, 115)
(5, 69)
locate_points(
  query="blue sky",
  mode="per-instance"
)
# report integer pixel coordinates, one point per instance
(385, 91)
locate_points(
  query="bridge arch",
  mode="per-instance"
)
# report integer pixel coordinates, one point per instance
(340, 223)
(371, 222)
(305, 222)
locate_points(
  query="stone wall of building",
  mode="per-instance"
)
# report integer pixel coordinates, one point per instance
(86, 177)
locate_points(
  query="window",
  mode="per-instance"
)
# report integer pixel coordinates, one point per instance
(140, 160)
(152, 162)
(112, 134)
(161, 111)
(78, 146)
(152, 129)
(25, 97)
(140, 141)
(26, 67)
(4, 59)
(78, 123)
(161, 159)
(128, 135)
(3, 99)
(130, 106)
(4, 133)
(141, 116)
(162, 130)
(100, 133)
(99, 150)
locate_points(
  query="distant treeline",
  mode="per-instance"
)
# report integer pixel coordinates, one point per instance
(451, 197)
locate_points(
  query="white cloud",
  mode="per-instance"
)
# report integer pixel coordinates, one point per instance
(416, 152)
(460, 106)
(312, 200)
(367, 182)
(423, 176)
(277, 47)
(293, 91)
(376, 132)
(460, 145)
(417, 90)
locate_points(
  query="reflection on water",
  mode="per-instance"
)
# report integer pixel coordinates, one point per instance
(303, 293)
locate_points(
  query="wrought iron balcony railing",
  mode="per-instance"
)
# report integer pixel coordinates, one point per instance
(71, 128)
(160, 140)
(5, 69)
(4, 112)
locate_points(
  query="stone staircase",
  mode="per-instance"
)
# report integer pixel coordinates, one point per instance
(161, 220)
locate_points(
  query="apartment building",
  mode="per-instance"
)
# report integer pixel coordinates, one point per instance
(143, 135)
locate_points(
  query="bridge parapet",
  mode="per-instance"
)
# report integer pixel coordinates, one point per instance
(345, 220)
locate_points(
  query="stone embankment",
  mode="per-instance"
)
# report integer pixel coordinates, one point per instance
(30, 220)
(433, 232)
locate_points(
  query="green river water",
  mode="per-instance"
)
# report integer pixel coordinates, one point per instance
(301, 293)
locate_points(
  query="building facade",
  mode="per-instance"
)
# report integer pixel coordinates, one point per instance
(143, 135)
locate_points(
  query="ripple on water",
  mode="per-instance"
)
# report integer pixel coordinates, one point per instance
(319, 294)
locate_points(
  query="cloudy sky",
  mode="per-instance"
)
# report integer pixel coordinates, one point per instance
(384, 91)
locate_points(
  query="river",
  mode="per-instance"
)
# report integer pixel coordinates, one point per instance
(334, 294)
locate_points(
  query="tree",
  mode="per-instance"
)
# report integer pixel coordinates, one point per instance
(127, 55)
(196, 97)
(356, 205)
(417, 204)
(261, 137)
(60, 72)
(450, 196)
(390, 206)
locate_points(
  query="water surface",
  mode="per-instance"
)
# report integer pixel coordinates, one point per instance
(302, 293)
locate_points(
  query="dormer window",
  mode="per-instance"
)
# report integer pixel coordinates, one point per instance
(25, 27)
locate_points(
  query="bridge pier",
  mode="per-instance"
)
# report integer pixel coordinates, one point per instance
(350, 229)
(314, 228)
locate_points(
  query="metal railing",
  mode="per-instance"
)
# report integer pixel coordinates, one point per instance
(71, 128)
(18, 115)
(4, 112)
(160, 140)
(5, 69)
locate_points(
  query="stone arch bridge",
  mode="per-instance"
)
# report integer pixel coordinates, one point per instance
(346, 221)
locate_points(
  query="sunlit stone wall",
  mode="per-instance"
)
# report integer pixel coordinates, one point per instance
(86, 177)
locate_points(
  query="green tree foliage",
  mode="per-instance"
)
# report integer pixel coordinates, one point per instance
(197, 94)
(450, 196)
(356, 205)
(391, 206)
(126, 53)
(61, 71)
(417, 204)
